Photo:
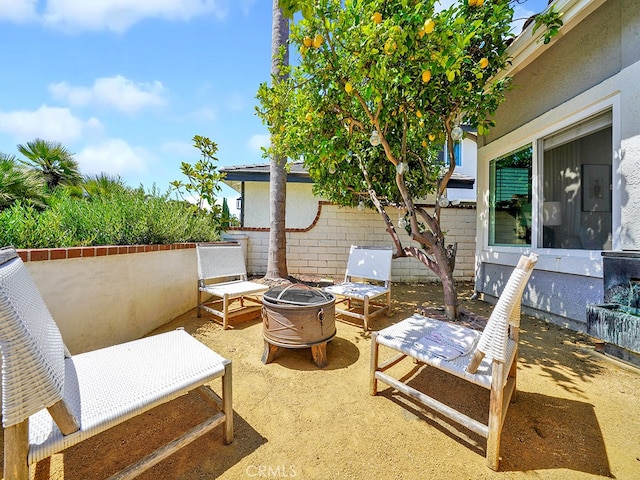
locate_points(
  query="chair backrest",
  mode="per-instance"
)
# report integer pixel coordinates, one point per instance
(32, 347)
(370, 263)
(493, 341)
(220, 260)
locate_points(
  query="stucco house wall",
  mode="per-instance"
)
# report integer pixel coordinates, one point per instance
(593, 65)
(300, 211)
(468, 165)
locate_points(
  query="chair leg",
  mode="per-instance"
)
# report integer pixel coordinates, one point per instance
(495, 415)
(198, 309)
(16, 451)
(389, 310)
(373, 366)
(225, 312)
(227, 403)
(366, 313)
(513, 373)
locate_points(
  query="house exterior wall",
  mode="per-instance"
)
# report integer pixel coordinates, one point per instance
(322, 248)
(594, 66)
(301, 205)
(468, 167)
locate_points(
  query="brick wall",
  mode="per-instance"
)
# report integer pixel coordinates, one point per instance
(322, 248)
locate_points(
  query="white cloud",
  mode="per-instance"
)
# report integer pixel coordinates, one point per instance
(113, 157)
(179, 149)
(18, 10)
(116, 92)
(49, 123)
(256, 142)
(120, 15)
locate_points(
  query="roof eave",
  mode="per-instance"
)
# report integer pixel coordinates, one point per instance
(529, 46)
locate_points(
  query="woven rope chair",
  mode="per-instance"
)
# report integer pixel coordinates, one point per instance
(222, 280)
(52, 400)
(367, 284)
(490, 360)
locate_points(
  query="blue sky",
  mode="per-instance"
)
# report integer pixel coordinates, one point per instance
(126, 84)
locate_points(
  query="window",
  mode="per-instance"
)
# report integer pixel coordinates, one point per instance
(457, 153)
(576, 189)
(510, 198)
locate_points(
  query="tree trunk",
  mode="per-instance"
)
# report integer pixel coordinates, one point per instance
(277, 261)
(435, 255)
(448, 285)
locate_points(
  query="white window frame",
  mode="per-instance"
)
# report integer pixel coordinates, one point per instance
(570, 261)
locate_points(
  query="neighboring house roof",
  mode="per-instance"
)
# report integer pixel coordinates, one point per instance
(299, 174)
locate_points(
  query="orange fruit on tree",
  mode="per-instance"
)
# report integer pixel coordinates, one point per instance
(429, 25)
(426, 76)
(376, 17)
(308, 117)
(484, 62)
(348, 87)
(424, 143)
(472, 3)
(421, 33)
(317, 41)
(307, 41)
(432, 137)
(418, 114)
(390, 46)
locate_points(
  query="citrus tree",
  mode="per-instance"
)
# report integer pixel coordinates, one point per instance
(379, 88)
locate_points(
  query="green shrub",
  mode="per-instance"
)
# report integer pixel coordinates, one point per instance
(119, 216)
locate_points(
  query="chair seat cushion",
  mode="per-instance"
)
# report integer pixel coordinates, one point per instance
(108, 386)
(235, 288)
(408, 337)
(357, 290)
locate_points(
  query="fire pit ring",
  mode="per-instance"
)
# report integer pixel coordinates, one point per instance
(297, 316)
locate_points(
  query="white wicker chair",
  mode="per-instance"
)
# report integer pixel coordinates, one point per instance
(488, 359)
(222, 280)
(52, 400)
(367, 284)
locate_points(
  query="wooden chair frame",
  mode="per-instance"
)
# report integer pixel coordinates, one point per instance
(53, 400)
(366, 285)
(222, 280)
(496, 371)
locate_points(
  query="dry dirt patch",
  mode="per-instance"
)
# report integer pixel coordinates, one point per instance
(575, 415)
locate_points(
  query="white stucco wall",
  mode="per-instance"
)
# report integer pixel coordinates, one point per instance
(595, 66)
(468, 167)
(101, 301)
(301, 205)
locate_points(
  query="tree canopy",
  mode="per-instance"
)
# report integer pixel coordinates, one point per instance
(377, 92)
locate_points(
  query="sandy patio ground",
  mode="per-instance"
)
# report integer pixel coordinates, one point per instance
(576, 414)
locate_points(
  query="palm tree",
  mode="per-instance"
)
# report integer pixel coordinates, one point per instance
(277, 261)
(54, 162)
(103, 184)
(18, 183)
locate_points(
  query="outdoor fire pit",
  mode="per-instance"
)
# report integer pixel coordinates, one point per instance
(297, 316)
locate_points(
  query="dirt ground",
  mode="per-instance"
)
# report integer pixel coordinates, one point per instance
(576, 414)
